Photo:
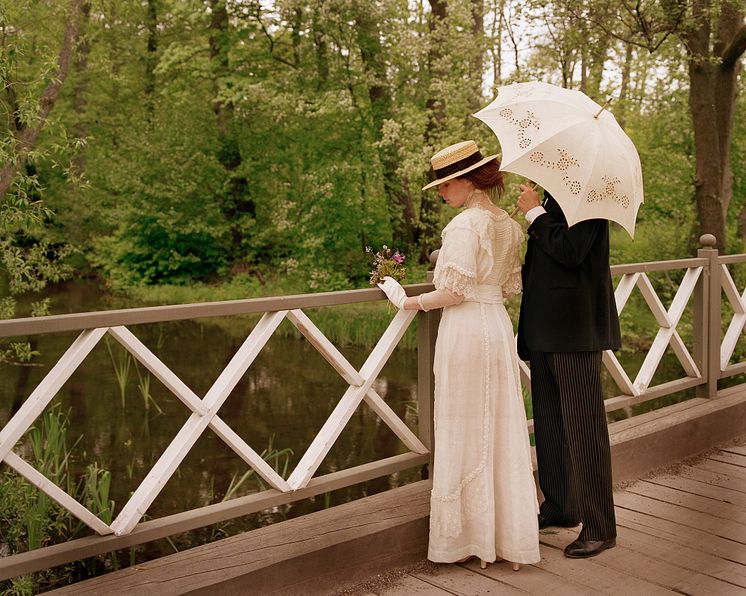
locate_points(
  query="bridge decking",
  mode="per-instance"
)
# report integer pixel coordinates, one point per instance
(680, 532)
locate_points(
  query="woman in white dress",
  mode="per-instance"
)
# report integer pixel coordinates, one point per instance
(483, 501)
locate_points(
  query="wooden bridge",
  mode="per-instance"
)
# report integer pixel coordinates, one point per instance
(696, 546)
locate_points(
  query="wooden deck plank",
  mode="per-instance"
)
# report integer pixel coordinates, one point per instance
(664, 550)
(681, 534)
(533, 579)
(667, 575)
(740, 449)
(694, 519)
(714, 478)
(464, 582)
(735, 459)
(411, 586)
(596, 577)
(704, 489)
(730, 470)
(689, 500)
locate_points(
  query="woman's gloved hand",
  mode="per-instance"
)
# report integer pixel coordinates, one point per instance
(393, 291)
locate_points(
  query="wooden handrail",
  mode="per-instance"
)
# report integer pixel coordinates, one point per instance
(626, 269)
(180, 312)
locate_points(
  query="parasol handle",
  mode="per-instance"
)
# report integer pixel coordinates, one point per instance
(606, 105)
(515, 209)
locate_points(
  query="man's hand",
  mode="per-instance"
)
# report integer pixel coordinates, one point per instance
(528, 199)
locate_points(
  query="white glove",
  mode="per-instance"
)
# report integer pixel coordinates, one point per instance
(393, 291)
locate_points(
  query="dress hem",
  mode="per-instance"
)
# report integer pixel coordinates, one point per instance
(524, 557)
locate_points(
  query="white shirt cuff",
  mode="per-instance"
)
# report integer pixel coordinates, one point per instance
(532, 214)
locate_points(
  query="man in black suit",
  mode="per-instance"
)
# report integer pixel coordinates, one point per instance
(568, 317)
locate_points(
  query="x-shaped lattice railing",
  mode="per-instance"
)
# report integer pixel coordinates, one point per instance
(205, 411)
(667, 320)
(738, 302)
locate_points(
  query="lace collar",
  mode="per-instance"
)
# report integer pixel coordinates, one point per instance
(477, 199)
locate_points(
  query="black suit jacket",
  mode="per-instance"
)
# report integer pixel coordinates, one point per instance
(568, 299)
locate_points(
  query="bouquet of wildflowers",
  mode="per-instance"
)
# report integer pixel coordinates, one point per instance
(385, 263)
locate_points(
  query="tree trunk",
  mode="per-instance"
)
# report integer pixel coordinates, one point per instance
(477, 66)
(26, 139)
(712, 93)
(219, 58)
(151, 56)
(729, 46)
(596, 52)
(621, 111)
(235, 201)
(322, 51)
(80, 90)
(497, 44)
(708, 164)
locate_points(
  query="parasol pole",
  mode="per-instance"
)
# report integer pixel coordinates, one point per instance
(515, 209)
(606, 105)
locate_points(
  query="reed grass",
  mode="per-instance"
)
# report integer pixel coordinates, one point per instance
(29, 519)
(96, 489)
(122, 365)
(143, 385)
(279, 459)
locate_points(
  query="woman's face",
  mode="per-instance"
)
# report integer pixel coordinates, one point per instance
(455, 191)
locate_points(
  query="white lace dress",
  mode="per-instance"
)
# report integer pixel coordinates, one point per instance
(483, 500)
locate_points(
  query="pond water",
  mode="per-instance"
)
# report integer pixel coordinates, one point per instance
(125, 423)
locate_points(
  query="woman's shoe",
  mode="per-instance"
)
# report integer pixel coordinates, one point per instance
(516, 566)
(482, 564)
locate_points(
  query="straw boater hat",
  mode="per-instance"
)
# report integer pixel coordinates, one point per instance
(455, 160)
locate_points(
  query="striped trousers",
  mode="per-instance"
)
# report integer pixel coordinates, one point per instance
(572, 441)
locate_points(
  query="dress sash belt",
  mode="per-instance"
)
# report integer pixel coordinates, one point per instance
(487, 294)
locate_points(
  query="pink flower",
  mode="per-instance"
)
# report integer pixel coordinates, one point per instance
(399, 258)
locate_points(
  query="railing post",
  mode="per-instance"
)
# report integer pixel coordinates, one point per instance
(707, 318)
(427, 332)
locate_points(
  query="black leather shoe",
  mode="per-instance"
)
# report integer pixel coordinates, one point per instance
(546, 523)
(582, 549)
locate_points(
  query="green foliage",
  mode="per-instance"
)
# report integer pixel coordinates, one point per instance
(30, 519)
(29, 260)
(736, 209)
(664, 140)
(168, 227)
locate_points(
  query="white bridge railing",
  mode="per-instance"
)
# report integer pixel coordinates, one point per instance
(705, 279)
